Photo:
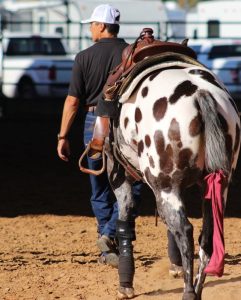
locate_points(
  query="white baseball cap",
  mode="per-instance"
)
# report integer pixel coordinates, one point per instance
(104, 13)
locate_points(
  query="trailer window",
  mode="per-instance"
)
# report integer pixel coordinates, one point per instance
(213, 29)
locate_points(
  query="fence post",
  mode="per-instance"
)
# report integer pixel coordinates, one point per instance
(68, 21)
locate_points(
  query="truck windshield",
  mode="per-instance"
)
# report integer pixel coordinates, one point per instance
(35, 46)
(225, 51)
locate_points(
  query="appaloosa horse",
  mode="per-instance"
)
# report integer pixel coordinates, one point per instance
(178, 126)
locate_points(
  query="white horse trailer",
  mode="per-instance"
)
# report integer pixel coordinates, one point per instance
(215, 19)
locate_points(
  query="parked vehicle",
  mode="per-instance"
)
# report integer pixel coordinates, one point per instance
(223, 57)
(34, 66)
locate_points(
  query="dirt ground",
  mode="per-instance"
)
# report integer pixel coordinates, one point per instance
(48, 232)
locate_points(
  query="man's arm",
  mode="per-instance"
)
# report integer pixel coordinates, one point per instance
(71, 106)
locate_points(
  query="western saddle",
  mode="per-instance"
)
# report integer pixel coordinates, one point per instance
(144, 47)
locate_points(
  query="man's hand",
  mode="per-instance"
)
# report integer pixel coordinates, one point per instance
(63, 149)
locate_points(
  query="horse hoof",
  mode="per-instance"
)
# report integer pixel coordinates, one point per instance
(125, 293)
(199, 296)
(176, 271)
(189, 296)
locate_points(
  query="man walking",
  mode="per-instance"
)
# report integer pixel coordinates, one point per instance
(89, 74)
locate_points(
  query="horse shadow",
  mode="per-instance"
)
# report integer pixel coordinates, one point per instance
(147, 260)
(229, 260)
(222, 281)
(160, 292)
(232, 259)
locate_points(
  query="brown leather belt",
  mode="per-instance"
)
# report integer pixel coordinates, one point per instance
(90, 108)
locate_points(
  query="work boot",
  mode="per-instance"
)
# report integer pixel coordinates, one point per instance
(105, 244)
(109, 251)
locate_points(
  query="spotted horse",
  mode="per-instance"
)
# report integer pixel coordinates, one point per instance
(178, 126)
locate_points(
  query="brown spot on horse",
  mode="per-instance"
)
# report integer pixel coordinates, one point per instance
(147, 140)
(144, 91)
(174, 131)
(126, 121)
(159, 108)
(186, 88)
(138, 115)
(196, 126)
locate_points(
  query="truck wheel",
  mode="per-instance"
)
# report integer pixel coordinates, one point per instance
(26, 90)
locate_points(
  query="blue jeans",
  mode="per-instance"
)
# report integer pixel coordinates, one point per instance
(104, 205)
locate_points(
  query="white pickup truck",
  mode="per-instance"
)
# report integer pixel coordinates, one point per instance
(34, 66)
(223, 57)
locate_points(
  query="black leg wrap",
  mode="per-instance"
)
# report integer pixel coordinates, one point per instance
(107, 108)
(126, 234)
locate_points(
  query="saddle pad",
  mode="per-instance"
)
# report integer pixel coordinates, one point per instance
(127, 93)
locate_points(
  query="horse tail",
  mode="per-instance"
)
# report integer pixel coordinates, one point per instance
(216, 157)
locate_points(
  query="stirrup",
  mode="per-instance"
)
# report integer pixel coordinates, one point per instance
(89, 171)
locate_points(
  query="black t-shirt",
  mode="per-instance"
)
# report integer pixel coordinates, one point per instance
(91, 69)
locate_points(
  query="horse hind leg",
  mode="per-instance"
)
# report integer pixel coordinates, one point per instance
(206, 243)
(205, 250)
(172, 212)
